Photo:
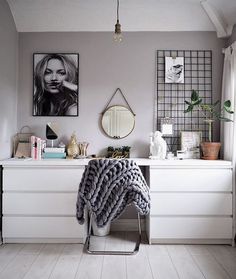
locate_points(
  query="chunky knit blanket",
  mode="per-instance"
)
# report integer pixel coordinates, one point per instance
(108, 186)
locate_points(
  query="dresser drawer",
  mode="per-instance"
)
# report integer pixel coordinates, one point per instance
(39, 203)
(42, 179)
(191, 204)
(180, 180)
(190, 228)
(42, 227)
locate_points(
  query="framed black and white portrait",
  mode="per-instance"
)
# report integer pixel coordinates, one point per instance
(56, 84)
(174, 69)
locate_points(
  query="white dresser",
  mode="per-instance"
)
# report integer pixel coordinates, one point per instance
(192, 201)
(39, 202)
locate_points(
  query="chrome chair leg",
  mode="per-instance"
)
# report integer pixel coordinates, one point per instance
(103, 252)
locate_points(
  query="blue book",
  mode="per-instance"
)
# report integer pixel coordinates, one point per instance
(51, 155)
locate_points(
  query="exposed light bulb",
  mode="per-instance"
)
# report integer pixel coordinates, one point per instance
(118, 38)
(118, 35)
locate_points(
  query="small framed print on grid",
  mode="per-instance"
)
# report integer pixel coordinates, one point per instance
(190, 143)
(55, 84)
(174, 69)
(167, 127)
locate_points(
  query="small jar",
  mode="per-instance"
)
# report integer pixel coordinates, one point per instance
(83, 149)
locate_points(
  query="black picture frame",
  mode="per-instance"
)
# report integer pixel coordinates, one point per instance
(56, 84)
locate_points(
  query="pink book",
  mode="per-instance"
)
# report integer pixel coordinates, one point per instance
(39, 148)
(33, 143)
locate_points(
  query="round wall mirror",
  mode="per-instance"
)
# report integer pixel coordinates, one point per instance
(118, 122)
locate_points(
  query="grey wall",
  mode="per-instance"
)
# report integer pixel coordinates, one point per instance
(104, 66)
(232, 37)
(8, 79)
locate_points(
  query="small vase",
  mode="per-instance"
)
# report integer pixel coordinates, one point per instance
(72, 148)
(210, 150)
(83, 149)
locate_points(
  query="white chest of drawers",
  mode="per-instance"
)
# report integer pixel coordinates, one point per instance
(39, 203)
(191, 203)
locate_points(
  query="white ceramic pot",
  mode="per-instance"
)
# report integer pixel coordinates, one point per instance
(100, 231)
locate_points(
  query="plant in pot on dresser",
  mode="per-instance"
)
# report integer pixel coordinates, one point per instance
(210, 113)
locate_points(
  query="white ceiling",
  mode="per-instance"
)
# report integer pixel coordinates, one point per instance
(135, 15)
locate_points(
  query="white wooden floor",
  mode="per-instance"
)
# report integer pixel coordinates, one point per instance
(67, 261)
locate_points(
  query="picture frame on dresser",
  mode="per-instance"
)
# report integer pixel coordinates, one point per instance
(55, 84)
(190, 143)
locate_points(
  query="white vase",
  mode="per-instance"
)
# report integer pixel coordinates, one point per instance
(100, 231)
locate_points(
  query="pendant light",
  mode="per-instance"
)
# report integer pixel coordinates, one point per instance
(117, 35)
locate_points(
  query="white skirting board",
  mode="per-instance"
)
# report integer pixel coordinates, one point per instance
(44, 240)
(192, 241)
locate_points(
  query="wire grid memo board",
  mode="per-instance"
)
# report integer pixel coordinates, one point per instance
(171, 96)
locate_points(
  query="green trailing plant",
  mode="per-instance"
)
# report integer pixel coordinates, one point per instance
(209, 112)
(110, 148)
(126, 148)
(126, 151)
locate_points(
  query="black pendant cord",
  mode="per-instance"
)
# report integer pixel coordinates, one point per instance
(117, 11)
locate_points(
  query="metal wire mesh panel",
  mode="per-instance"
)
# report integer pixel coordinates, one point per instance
(171, 96)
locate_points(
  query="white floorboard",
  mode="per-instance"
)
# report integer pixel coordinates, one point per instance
(8, 253)
(90, 266)
(225, 259)
(160, 262)
(210, 268)
(20, 265)
(114, 266)
(232, 250)
(44, 264)
(206, 261)
(138, 266)
(184, 263)
(68, 261)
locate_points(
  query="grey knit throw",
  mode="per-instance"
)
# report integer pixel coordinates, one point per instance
(108, 186)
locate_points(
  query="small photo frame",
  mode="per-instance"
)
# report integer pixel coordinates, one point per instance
(167, 127)
(190, 143)
(55, 84)
(174, 69)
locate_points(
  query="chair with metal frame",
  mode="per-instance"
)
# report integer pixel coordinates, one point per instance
(106, 188)
(103, 252)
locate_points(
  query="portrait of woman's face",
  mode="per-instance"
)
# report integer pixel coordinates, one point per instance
(56, 84)
(54, 75)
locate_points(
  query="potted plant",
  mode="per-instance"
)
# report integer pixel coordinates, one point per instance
(110, 151)
(210, 113)
(126, 151)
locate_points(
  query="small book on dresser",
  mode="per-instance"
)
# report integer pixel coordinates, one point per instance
(56, 155)
(54, 149)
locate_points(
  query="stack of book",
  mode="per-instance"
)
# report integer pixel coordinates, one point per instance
(54, 153)
(36, 147)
